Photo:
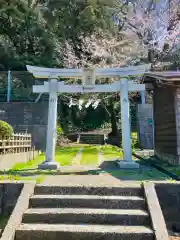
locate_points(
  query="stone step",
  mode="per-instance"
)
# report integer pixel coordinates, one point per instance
(91, 142)
(87, 201)
(92, 138)
(86, 216)
(124, 190)
(89, 138)
(82, 232)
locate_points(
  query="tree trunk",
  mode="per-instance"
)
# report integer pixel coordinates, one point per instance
(113, 119)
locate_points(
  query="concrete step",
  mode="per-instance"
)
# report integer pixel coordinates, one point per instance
(82, 232)
(124, 190)
(92, 138)
(91, 142)
(86, 216)
(87, 201)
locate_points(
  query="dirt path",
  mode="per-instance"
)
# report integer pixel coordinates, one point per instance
(100, 157)
(77, 159)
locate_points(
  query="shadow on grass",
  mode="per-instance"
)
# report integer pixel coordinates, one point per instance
(173, 170)
(145, 172)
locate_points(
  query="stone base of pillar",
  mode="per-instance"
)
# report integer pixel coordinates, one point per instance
(49, 165)
(128, 164)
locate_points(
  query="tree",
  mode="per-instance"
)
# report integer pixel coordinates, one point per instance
(155, 23)
(24, 38)
(104, 50)
(69, 34)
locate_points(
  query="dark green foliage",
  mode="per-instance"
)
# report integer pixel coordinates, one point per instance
(35, 32)
(84, 120)
(6, 130)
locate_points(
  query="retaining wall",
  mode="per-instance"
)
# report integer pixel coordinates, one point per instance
(30, 117)
(9, 193)
(169, 199)
(7, 161)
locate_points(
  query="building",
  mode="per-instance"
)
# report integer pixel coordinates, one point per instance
(166, 111)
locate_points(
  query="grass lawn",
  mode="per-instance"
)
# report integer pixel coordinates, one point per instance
(111, 152)
(169, 167)
(3, 221)
(175, 170)
(139, 175)
(64, 155)
(89, 156)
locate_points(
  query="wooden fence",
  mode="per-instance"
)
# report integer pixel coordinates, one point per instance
(19, 142)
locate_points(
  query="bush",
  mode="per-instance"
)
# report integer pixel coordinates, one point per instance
(6, 130)
(59, 130)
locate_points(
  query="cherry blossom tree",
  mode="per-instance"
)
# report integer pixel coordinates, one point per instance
(148, 30)
(104, 50)
(156, 23)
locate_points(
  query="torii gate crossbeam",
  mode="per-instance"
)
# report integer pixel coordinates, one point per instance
(53, 87)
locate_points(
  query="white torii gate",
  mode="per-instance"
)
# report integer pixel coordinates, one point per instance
(53, 87)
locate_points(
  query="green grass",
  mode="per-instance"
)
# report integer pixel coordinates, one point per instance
(169, 167)
(30, 164)
(175, 170)
(139, 175)
(28, 171)
(89, 156)
(3, 221)
(111, 152)
(64, 156)
(172, 169)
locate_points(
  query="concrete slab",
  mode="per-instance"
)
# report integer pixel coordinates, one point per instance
(128, 164)
(103, 180)
(49, 166)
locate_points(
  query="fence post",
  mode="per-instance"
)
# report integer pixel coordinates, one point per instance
(9, 87)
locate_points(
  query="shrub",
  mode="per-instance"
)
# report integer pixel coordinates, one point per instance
(6, 130)
(59, 130)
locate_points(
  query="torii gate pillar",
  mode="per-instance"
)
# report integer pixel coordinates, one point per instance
(50, 162)
(54, 87)
(127, 161)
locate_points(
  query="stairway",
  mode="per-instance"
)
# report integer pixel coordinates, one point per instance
(86, 213)
(91, 139)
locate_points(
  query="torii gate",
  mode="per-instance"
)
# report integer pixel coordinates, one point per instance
(53, 87)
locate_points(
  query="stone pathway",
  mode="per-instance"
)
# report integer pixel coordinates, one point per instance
(77, 159)
(100, 157)
(85, 180)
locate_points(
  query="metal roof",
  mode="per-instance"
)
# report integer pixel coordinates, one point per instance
(163, 75)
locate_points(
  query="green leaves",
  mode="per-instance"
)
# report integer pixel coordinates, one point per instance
(37, 31)
(6, 130)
